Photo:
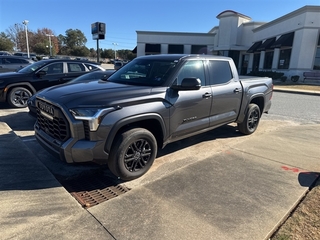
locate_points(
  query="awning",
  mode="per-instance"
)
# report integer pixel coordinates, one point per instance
(266, 44)
(254, 47)
(285, 40)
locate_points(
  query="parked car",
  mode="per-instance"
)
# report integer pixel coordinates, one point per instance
(151, 101)
(91, 76)
(13, 63)
(17, 87)
(32, 56)
(5, 53)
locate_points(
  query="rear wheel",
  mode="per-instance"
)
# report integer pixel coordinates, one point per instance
(132, 153)
(18, 97)
(251, 120)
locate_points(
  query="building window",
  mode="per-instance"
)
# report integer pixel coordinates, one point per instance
(256, 62)
(284, 59)
(316, 65)
(174, 48)
(151, 49)
(199, 49)
(268, 60)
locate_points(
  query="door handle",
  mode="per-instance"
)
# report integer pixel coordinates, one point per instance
(207, 95)
(237, 90)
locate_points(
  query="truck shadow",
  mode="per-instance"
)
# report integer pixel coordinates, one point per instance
(19, 121)
(227, 131)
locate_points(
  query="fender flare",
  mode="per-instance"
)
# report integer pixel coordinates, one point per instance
(19, 84)
(252, 97)
(131, 120)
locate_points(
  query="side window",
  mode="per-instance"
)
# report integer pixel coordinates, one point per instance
(91, 67)
(192, 69)
(24, 61)
(54, 68)
(76, 67)
(12, 61)
(220, 72)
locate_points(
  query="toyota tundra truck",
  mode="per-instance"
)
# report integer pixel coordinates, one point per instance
(150, 102)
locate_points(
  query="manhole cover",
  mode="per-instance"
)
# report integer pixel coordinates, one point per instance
(93, 189)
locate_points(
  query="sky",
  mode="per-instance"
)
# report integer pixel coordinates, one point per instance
(124, 17)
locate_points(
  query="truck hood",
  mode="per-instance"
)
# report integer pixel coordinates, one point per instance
(94, 93)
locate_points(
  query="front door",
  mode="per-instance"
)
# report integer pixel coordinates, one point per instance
(190, 109)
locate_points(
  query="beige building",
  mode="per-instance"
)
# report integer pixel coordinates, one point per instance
(289, 44)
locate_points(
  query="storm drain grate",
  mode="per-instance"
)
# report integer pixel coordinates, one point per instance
(93, 190)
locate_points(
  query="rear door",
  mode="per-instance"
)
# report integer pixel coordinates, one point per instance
(75, 69)
(190, 109)
(55, 74)
(226, 93)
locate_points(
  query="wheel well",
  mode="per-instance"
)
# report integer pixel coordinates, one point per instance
(24, 86)
(260, 102)
(151, 125)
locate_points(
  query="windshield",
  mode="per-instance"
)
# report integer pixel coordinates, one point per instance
(33, 67)
(145, 72)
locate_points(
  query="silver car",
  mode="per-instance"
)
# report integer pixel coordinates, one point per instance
(13, 63)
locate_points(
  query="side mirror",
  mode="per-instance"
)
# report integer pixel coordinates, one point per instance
(188, 84)
(41, 73)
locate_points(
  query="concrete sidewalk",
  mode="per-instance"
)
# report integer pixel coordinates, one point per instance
(240, 193)
(33, 203)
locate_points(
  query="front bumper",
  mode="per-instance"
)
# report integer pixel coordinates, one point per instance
(73, 150)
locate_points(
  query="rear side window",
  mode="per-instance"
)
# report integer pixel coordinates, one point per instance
(12, 61)
(91, 67)
(219, 72)
(76, 67)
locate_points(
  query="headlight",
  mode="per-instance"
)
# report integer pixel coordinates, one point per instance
(94, 116)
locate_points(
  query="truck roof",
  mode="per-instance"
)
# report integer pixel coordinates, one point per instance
(172, 57)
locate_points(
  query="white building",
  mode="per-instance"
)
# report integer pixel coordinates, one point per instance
(289, 44)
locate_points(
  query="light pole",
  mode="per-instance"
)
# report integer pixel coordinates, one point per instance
(115, 52)
(25, 22)
(50, 46)
(16, 27)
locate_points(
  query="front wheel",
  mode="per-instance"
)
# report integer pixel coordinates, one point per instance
(18, 97)
(251, 120)
(132, 153)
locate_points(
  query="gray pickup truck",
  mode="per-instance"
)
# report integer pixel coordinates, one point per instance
(146, 104)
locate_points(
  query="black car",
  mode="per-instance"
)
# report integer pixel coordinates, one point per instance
(17, 87)
(92, 76)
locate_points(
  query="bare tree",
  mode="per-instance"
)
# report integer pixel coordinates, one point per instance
(16, 34)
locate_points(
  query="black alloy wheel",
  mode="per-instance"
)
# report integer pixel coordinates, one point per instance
(251, 120)
(18, 97)
(133, 153)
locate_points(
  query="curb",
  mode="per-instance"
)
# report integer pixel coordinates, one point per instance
(299, 91)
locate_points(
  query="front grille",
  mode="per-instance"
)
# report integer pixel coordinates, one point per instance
(56, 126)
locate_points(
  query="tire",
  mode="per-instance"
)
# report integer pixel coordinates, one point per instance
(251, 120)
(132, 153)
(18, 97)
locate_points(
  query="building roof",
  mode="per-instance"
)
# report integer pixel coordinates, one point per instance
(230, 13)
